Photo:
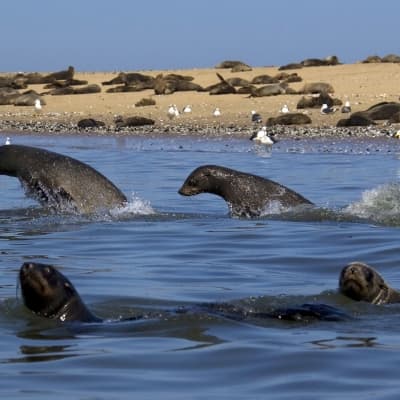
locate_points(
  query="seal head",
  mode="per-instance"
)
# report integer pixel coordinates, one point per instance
(361, 282)
(48, 293)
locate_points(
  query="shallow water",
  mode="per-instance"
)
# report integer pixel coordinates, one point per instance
(165, 250)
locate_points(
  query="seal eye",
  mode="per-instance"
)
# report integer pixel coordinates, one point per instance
(369, 275)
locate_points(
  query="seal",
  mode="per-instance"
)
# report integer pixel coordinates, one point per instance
(59, 181)
(48, 293)
(361, 282)
(247, 195)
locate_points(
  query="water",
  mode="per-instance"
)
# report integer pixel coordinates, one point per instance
(165, 250)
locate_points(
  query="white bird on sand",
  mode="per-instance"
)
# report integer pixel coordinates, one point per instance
(346, 108)
(8, 141)
(38, 106)
(173, 111)
(262, 137)
(285, 109)
(256, 117)
(217, 112)
(187, 109)
(325, 109)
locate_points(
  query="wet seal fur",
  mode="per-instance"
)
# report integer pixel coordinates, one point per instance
(59, 181)
(361, 282)
(247, 195)
(48, 293)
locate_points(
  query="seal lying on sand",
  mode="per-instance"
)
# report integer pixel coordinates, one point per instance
(247, 195)
(361, 282)
(48, 293)
(59, 181)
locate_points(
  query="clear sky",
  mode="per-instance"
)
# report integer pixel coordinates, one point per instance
(114, 35)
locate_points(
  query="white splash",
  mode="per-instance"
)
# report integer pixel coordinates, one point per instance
(135, 206)
(381, 204)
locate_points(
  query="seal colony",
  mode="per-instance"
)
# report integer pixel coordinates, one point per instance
(50, 294)
(247, 195)
(59, 181)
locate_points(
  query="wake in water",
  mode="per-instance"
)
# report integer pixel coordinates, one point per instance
(380, 205)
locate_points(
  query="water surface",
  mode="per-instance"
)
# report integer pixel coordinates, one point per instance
(164, 251)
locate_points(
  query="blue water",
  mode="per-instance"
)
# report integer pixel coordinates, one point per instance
(165, 250)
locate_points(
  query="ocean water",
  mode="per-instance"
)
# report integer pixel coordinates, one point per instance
(164, 251)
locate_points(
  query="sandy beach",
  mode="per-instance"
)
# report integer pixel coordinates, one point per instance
(362, 84)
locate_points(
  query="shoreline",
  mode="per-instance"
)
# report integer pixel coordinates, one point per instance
(363, 85)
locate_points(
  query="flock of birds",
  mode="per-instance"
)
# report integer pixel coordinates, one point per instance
(261, 136)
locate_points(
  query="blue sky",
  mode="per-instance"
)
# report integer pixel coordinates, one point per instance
(100, 35)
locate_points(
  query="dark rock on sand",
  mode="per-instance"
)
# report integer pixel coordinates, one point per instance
(90, 123)
(289, 119)
(133, 121)
(145, 102)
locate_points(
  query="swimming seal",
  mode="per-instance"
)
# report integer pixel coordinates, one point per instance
(59, 181)
(361, 282)
(247, 195)
(48, 293)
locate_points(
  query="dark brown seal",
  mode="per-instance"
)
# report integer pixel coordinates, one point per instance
(247, 195)
(361, 282)
(48, 293)
(59, 181)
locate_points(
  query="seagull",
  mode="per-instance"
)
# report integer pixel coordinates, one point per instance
(256, 117)
(285, 109)
(38, 106)
(262, 137)
(327, 110)
(187, 109)
(217, 112)
(346, 108)
(173, 111)
(396, 135)
(8, 141)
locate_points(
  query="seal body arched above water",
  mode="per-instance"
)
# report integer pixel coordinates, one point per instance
(247, 195)
(48, 293)
(59, 181)
(361, 282)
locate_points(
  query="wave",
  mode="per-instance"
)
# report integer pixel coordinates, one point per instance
(380, 205)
